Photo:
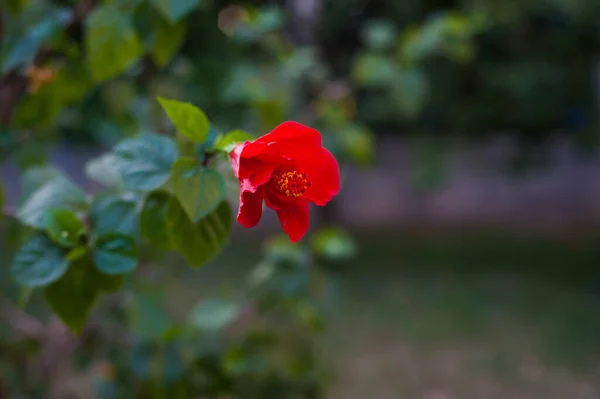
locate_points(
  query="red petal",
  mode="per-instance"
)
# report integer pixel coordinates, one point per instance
(250, 210)
(284, 140)
(323, 173)
(293, 214)
(234, 157)
(294, 219)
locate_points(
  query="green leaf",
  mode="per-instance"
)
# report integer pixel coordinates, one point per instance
(199, 190)
(27, 46)
(379, 34)
(334, 244)
(202, 241)
(228, 142)
(174, 10)
(112, 45)
(153, 219)
(214, 314)
(35, 177)
(72, 297)
(103, 170)
(39, 262)
(168, 39)
(57, 193)
(64, 227)
(188, 119)
(144, 162)
(373, 70)
(114, 215)
(115, 254)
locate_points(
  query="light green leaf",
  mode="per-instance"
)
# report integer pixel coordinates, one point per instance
(168, 39)
(26, 48)
(280, 249)
(112, 45)
(229, 141)
(188, 119)
(115, 215)
(214, 314)
(202, 241)
(103, 170)
(153, 219)
(199, 190)
(64, 227)
(39, 262)
(57, 193)
(334, 244)
(115, 254)
(379, 34)
(144, 162)
(373, 70)
(174, 10)
(35, 177)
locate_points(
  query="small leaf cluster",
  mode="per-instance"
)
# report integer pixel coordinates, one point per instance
(163, 191)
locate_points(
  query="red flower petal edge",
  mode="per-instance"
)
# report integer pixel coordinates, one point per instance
(287, 169)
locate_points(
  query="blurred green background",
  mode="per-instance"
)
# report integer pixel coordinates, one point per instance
(467, 132)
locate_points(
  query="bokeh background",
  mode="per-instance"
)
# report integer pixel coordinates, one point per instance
(468, 135)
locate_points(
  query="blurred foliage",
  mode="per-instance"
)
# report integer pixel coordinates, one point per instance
(108, 72)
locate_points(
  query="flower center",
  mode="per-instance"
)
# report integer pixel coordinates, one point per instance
(291, 184)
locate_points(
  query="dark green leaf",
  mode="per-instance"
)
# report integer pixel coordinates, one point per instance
(174, 10)
(153, 219)
(39, 262)
(72, 297)
(144, 162)
(199, 190)
(115, 215)
(64, 227)
(379, 34)
(112, 44)
(57, 193)
(214, 314)
(199, 242)
(168, 38)
(334, 243)
(115, 254)
(228, 142)
(188, 119)
(26, 48)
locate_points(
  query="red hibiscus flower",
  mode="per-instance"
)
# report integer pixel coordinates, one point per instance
(287, 168)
